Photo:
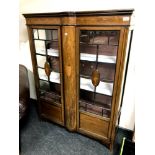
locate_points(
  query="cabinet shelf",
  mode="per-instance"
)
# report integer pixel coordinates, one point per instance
(101, 58)
(53, 52)
(54, 76)
(85, 43)
(50, 52)
(103, 87)
(83, 56)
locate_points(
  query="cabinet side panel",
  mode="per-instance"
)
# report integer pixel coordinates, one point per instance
(68, 42)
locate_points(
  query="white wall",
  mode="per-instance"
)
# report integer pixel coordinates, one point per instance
(35, 6)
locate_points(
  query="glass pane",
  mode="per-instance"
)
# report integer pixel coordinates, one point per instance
(52, 48)
(54, 63)
(42, 74)
(55, 77)
(55, 34)
(113, 37)
(40, 46)
(50, 92)
(45, 34)
(86, 68)
(35, 33)
(48, 34)
(55, 87)
(41, 60)
(42, 34)
(44, 85)
(98, 52)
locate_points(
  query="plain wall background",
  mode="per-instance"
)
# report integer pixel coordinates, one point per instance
(127, 119)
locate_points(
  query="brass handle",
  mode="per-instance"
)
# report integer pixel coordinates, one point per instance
(95, 78)
(47, 68)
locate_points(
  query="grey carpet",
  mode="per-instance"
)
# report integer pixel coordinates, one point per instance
(45, 138)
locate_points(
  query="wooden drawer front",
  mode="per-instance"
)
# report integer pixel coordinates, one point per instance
(51, 112)
(93, 125)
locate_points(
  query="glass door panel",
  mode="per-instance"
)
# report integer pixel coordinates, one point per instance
(98, 54)
(48, 62)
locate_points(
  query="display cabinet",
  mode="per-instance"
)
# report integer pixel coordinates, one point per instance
(79, 61)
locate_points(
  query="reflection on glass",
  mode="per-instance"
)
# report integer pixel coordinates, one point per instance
(40, 46)
(52, 48)
(44, 85)
(98, 52)
(55, 87)
(35, 33)
(55, 34)
(55, 77)
(42, 34)
(42, 74)
(54, 63)
(41, 60)
(47, 34)
(107, 70)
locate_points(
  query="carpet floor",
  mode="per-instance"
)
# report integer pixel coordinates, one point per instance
(46, 138)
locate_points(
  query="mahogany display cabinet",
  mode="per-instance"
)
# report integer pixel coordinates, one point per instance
(79, 61)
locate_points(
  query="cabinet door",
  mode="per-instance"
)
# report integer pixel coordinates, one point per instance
(49, 68)
(98, 52)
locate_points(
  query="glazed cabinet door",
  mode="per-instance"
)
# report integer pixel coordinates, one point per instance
(98, 52)
(47, 49)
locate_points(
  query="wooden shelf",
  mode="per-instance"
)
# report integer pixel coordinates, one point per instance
(101, 58)
(53, 52)
(103, 87)
(54, 76)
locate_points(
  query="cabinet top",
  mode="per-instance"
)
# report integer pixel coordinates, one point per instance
(81, 13)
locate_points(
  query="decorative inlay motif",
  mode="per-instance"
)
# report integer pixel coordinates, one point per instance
(95, 78)
(47, 68)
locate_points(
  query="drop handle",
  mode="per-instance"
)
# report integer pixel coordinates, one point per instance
(95, 78)
(47, 68)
